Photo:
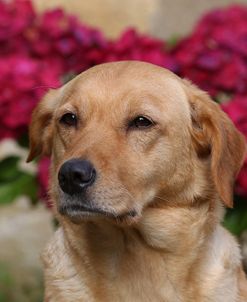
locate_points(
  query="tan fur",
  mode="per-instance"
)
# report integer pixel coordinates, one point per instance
(176, 176)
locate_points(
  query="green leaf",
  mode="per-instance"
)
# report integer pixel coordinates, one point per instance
(23, 141)
(24, 184)
(236, 219)
(9, 169)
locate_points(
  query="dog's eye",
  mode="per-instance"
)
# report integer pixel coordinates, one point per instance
(141, 122)
(69, 119)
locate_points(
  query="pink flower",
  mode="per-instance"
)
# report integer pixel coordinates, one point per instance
(133, 46)
(59, 37)
(237, 111)
(20, 78)
(14, 18)
(217, 52)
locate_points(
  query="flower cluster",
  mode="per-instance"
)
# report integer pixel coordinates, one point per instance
(30, 45)
(20, 77)
(237, 111)
(133, 46)
(214, 56)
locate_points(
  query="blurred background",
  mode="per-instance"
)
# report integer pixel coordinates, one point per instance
(44, 43)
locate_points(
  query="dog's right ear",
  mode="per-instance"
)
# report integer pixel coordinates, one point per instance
(41, 130)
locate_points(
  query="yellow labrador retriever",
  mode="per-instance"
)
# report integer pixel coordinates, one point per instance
(143, 164)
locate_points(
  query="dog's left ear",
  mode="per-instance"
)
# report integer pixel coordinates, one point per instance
(41, 130)
(215, 136)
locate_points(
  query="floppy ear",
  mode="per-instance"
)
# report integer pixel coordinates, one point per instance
(215, 136)
(41, 130)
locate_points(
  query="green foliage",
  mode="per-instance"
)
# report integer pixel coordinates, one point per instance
(14, 182)
(236, 219)
(23, 141)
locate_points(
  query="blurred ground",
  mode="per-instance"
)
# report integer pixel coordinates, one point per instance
(161, 18)
(24, 230)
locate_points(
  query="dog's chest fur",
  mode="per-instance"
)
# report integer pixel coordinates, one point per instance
(133, 273)
(121, 276)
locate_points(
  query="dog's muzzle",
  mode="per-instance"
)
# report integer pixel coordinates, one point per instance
(75, 175)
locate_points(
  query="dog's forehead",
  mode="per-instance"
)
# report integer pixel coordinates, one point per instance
(131, 82)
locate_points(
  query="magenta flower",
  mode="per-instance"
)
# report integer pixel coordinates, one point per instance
(214, 55)
(237, 111)
(20, 81)
(133, 46)
(15, 17)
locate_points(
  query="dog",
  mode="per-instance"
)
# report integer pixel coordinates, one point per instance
(143, 165)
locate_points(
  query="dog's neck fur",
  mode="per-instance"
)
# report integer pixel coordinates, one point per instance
(181, 237)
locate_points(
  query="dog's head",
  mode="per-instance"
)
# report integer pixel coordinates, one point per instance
(125, 135)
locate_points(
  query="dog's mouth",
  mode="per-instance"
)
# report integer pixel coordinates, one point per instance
(78, 212)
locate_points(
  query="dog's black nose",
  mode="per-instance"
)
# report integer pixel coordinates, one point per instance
(75, 175)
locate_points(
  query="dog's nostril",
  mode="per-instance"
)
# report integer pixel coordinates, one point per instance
(83, 174)
(78, 176)
(75, 175)
(81, 177)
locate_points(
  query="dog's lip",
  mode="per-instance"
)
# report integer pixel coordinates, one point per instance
(83, 210)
